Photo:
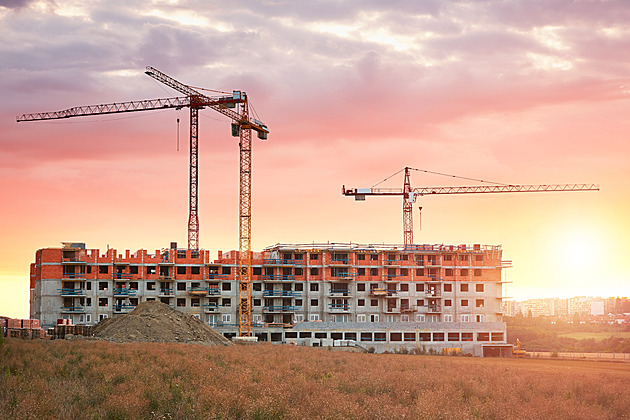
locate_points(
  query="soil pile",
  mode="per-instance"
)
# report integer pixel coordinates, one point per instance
(156, 321)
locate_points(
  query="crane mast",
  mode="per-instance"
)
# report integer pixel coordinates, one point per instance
(407, 209)
(197, 101)
(244, 231)
(409, 195)
(242, 127)
(193, 218)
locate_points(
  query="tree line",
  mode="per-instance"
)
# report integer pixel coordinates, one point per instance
(544, 334)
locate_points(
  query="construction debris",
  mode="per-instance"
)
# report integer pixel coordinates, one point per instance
(67, 331)
(26, 329)
(156, 321)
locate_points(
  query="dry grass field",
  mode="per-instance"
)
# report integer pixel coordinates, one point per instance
(598, 336)
(103, 380)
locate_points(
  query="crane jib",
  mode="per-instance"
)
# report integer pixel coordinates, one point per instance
(470, 189)
(112, 108)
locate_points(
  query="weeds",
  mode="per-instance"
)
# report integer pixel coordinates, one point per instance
(44, 379)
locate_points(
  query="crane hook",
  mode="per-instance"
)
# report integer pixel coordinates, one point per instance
(178, 134)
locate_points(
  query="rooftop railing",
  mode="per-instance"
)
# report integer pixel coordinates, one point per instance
(282, 261)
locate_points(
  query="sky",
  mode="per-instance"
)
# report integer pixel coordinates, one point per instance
(515, 92)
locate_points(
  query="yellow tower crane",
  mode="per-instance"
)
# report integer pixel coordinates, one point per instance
(235, 107)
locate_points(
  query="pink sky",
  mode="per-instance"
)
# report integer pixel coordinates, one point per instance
(519, 92)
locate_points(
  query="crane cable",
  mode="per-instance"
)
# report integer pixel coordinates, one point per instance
(459, 177)
(389, 177)
(208, 90)
(254, 113)
(441, 174)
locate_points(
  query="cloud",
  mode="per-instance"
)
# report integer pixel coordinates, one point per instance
(15, 4)
(326, 71)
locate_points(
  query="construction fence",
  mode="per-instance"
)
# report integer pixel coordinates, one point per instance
(578, 355)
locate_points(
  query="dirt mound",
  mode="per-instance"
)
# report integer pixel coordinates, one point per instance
(156, 321)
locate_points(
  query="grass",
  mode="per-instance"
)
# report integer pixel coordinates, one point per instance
(598, 336)
(102, 380)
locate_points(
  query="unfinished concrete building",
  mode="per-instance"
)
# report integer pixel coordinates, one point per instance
(388, 297)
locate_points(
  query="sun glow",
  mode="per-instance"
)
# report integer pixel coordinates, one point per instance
(581, 251)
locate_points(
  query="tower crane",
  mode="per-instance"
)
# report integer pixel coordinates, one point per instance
(235, 107)
(409, 194)
(242, 127)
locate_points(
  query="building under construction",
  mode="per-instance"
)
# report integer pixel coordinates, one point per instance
(383, 296)
(389, 297)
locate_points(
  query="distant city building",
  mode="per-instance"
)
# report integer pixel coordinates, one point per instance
(581, 305)
(561, 307)
(538, 307)
(384, 296)
(510, 307)
(597, 308)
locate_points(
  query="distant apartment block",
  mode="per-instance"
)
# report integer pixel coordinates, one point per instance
(581, 305)
(538, 307)
(384, 296)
